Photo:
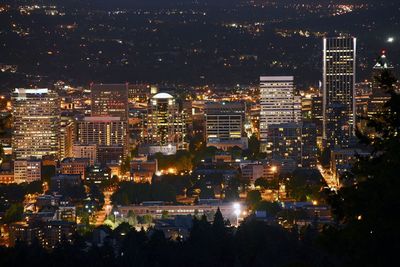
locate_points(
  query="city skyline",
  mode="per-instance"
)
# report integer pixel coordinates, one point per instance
(199, 133)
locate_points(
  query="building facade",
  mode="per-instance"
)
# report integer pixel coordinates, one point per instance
(279, 105)
(110, 100)
(36, 114)
(339, 74)
(105, 132)
(224, 125)
(165, 126)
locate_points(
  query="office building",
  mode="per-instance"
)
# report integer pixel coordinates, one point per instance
(339, 72)
(106, 133)
(110, 100)
(309, 148)
(224, 127)
(27, 170)
(62, 183)
(36, 114)
(67, 137)
(85, 151)
(74, 166)
(165, 128)
(97, 174)
(279, 104)
(379, 97)
(140, 93)
(284, 142)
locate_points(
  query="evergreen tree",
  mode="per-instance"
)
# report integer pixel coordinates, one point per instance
(367, 210)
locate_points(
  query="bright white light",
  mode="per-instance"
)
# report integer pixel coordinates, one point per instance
(236, 209)
(390, 40)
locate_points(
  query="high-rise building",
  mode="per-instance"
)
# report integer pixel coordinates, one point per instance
(379, 97)
(165, 128)
(105, 132)
(67, 136)
(309, 148)
(110, 100)
(279, 104)
(140, 93)
(339, 71)
(284, 142)
(36, 114)
(225, 124)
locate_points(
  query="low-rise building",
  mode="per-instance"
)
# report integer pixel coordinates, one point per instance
(88, 151)
(143, 171)
(74, 166)
(97, 174)
(27, 170)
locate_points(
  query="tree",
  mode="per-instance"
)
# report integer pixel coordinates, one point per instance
(218, 223)
(125, 165)
(366, 209)
(253, 198)
(254, 147)
(13, 214)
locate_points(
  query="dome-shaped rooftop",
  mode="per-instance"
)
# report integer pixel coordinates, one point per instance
(162, 96)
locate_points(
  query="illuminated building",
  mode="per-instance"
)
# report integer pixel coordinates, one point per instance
(27, 170)
(251, 172)
(378, 97)
(309, 148)
(165, 128)
(225, 124)
(110, 100)
(140, 93)
(85, 151)
(143, 171)
(67, 137)
(7, 177)
(284, 142)
(36, 123)
(97, 174)
(74, 166)
(339, 71)
(279, 104)
(105, 132)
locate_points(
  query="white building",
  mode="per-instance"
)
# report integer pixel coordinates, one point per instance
(279, 104)
(339, 70)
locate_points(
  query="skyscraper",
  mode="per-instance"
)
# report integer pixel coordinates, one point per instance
(339, 71)
(165, 128)
(379, 97)
(279, 104)
(110, 100)
(225, 124)
(108, 133)
(36, 114)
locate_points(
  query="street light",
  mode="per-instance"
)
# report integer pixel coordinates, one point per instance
(115, 215)
(237, 211)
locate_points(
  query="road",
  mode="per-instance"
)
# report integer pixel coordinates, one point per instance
(107, 207)
(329, 179)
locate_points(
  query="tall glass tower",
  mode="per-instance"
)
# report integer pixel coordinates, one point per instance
(36, 114)
(339, 72)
